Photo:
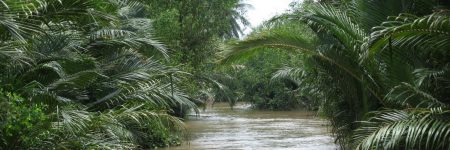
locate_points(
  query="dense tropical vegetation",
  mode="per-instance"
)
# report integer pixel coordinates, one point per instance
(121, 74)
(378, 68)
(257, 80)
(94, 74)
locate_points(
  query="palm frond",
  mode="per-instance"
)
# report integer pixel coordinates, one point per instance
(410, 32)
(405, 129)
(126, 38)
(289, 73)
(407, 95)
(12, 24)
(338, 23)
(283, 39)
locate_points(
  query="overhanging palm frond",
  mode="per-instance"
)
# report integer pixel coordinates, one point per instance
(412, 32)
(282, 38)
(405, 129)
(289, 40)
(338, 23)
(407, 95)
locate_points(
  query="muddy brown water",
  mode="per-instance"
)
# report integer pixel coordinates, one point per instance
(220, 128)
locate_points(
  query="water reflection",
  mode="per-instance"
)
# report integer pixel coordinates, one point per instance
(221, 128)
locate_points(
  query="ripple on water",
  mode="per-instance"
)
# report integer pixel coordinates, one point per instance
(222, 129)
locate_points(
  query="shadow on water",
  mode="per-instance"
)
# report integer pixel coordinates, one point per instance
(244, 129)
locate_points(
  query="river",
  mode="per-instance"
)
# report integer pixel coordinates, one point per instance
(220, 128)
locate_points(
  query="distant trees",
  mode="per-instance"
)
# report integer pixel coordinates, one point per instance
(193, 28)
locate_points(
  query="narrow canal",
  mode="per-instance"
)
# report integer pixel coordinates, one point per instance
(220, 128)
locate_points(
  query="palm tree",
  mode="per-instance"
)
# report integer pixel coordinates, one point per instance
(421, 102)
(97, 77)
(355, 68)
(237, 20)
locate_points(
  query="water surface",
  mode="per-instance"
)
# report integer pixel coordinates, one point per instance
(220, 128)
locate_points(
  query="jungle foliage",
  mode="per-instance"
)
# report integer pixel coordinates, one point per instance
(195, 30)
(120, 74)
(378, 68)
(257, 79)
(95, 74)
